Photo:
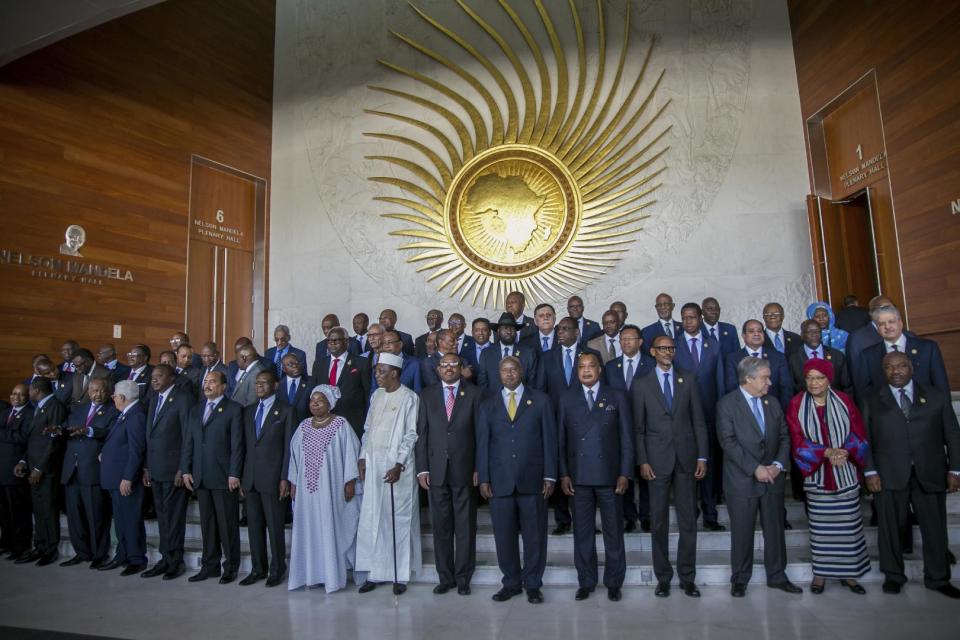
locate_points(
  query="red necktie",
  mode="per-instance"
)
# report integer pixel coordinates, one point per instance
(10, 417)
(450, 400)
(333, 371)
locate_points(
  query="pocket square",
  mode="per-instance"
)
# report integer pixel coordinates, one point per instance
(354, 371)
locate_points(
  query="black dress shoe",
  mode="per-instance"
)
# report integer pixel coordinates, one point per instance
(367, 587)
(28, 556)
(561, 529)
(243, 521)
(154, 571)
(273, 581)
(645, 525)
(951, 559)
(818, 588)
(738, 590)
(203, 575)
(948, 590)
(132, 569)
(613, 594)
(463, 589)
(713, 526)
(787, 526)
(440, 589)
(175, 572)
(399, 588)
(582, 593)
(662, 590)
(110, 566)
(505, 594)
(786, 586)
(534, 596)
(253, 578)
(227, 578)
(891, 587)
(690, 589)
(96, 563)
(48, 559)
(630, 525)
(75, 560)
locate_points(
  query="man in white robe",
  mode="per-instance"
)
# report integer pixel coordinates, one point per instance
(387, 458)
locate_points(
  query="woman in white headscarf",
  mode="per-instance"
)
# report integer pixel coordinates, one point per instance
(324, 481)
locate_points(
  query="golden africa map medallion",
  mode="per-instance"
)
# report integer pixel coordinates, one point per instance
(545, 198)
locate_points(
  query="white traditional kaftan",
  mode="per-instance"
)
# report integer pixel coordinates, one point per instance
(390, 434)
(322, 461)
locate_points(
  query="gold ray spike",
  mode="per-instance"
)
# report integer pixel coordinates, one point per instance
(543, 113)
(445, 175)
(563, 82)
(455, 160)
(432, 183)
(466, 144)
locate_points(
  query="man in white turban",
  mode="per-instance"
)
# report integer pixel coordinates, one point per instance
(387, 458)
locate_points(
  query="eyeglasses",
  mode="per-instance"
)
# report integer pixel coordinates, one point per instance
(773, 315)
(662, 349)
(449, 365)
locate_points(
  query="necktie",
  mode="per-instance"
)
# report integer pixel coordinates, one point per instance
(11, 417)
(895, 347)
(758, 414)
(376, 358)
(277, 362)
(630, 372)
(133, 374)
(258, 419)
(815, 355)
(905, 404)
(667, 329)
(755, 354)
(449, 403)
(567, 365)
(778, 343)
(506, 351)
(667, 391)
(209, 410)
(292, 390)
(93, 411)
(333, 371)
(694, 353)
(613, 348)
(160, 400)
(546, 344)
(512, 405)
(589, 399)
(713, 333)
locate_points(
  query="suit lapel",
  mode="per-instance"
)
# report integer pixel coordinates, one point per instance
(523, 402)
(657, 390)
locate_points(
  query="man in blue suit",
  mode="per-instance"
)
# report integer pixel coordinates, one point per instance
(517, 470)
(781, 380)
(295, 388)
(480, 330)
(723, 332)
(107, 357)
(88, 516)
(775, 337)
(665, 324)
(358, 344)
(621, 373)
(701, 357)
(589, 329)
(489, 374)
(320, 350)
(120, 469)
(388, 322)
(281, 338)
(928, 367)
(596, 460)
(409, 374)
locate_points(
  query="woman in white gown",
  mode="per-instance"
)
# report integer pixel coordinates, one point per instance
(324, 481)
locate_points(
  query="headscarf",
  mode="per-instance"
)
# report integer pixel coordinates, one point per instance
(331, 393)
(818, 364)
(831, 336)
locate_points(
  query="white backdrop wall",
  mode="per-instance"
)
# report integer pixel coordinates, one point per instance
(729, 220)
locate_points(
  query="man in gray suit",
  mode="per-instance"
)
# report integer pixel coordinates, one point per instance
(672, 445)
(248, 366)
(608, 343)
(756, 449)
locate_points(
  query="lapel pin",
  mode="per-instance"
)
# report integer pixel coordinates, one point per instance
(766, 402)
(462, 394)
(619, 365)
(600, 404)
(349, 363)
(529, 402)
(275, 412)
(923, 400)
(706, 344)
(725, 333)
(679, 380)
(219, 409)
(829, 357)
(913, 351)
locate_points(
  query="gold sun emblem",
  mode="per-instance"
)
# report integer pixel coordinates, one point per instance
(544, 201)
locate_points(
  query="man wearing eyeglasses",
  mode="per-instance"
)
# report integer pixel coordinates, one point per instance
(665, 324)
(776, 337)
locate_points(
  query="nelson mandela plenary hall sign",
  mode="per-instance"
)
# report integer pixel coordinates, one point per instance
(70, 266)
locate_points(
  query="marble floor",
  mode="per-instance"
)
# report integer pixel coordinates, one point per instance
(80, 601)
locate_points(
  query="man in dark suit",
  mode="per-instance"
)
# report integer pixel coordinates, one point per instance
(480, 330)
(596, 457)
(188, 376)
(107, 357)
(780, 377)
(445, 457)
(388, 322)
(701, 357)
(914, 457)
(210, 356)
(349, 373)
(329, 322)
(434, 323)
(864, 337)
(275, 354)
(517, 471)
(489, 374)
(588, 329)
(42, 468)
(665, 324)
(16, 523)
(545, 319)
(138, 359)
(168, 422)
(85, 369)
(925, 357)
(723, 332)
(446, 343)
(813, 347)
(607, 344)
(248, 366)
(852, 316)
(458, 324)
(60, 381)
(212, 464)
(756, 447)
(295, 389)
(121, 470)
(358, 344)
(672, 449)
(180, 338)
(88, 514)
(267, 429)
(515, 303)
(66, 353)
(776, 338)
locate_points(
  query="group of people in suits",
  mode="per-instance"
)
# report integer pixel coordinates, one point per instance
(524, 412)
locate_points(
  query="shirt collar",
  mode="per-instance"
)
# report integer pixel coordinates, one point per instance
(455, 385)
(215, 400)
(505, 393)
(750, 350)
(747, 395)
(707, 326)
(661, 373)
(111, 365)
(773, 334)
(44, 401)
(820, 351)
(128, 407)
(139, 370)
(901, 343)
(907, 387)
(595, 388)
(268, 402)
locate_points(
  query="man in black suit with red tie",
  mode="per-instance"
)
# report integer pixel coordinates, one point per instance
(349, 373)
(445, 456)
(16, 523)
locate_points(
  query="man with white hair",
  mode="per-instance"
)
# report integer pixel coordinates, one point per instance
(387, 458)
